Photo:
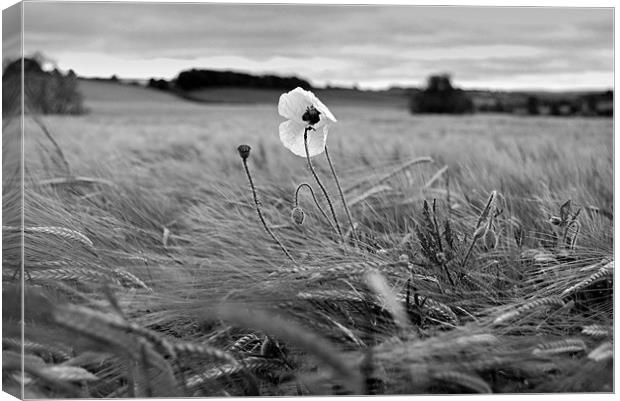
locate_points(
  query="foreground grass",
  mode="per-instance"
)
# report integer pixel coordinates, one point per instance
(178, 291)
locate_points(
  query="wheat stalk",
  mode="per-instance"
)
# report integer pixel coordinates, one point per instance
(243, 342)
(65, 373)
(130, 278)
(595, 330)
(92, 326)
(63, 232)
(73, 274)
(76, 181)
(33, 347)
(299, 336)
(330, 295)
(479, 229)
(252, 364)
(511, 314)
(379, 285)
(392, 173)
(603, 274)
(443, 310)
(191, 349)
(603, 352)
(559, 347)
(435, 177)
(118, 323)
(465, 380)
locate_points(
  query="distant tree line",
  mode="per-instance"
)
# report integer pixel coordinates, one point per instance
(440, 96)
(160, 84)
(194, 79)
(591, 104)
(47, 92)
(199, 79)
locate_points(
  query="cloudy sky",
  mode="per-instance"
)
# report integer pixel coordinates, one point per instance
(372, 46)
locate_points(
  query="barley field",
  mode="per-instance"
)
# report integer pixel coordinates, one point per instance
(480, 259)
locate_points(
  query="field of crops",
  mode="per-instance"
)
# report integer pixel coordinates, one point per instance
(481, 258)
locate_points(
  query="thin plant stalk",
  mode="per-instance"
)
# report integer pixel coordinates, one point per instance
(438, 237)
(477, 233)
(260, 214)
(318, 181)
(316, 202)
(344, 203)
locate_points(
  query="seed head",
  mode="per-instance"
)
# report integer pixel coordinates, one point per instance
(297, 215)
(244, 151)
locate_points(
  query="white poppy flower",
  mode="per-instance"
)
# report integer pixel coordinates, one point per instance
(303, 109)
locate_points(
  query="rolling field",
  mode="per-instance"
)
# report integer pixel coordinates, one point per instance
(475, 292)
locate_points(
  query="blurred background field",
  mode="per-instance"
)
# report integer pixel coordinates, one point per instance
(542, 153)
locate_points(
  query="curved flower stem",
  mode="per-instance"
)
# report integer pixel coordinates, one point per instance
(260, 214)
(344, 203)
(316, 202)
(318, 181)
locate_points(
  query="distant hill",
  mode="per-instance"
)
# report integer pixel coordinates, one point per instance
(351, 97)
(119, 93)
(227, 87)
(100, 90)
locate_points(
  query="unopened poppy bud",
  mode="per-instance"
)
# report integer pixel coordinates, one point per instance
(244, 151)
(480, 231)
(297, 214)
(490, 239)
(556, 221)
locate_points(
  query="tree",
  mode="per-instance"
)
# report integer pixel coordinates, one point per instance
(47, 92)
(532, 105)
(441, 97)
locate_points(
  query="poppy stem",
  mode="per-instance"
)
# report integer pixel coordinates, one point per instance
(260, 214)
(316, 202)
(318, 181)
(344, 203)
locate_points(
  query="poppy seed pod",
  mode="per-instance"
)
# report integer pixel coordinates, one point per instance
(298, 215)
(311, 116)
(244, 151)
(480, 231)
(490, 239)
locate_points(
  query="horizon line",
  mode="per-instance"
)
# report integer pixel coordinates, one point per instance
(361, 87)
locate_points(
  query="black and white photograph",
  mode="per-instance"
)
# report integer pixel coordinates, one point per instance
(220, 199)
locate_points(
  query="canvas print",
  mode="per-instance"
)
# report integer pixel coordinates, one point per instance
(228, 200)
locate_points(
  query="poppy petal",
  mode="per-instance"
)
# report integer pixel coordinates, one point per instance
(293, 105)
(325, 111)
(292, 136)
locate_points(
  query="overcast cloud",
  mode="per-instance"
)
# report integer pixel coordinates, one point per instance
(373, 46)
